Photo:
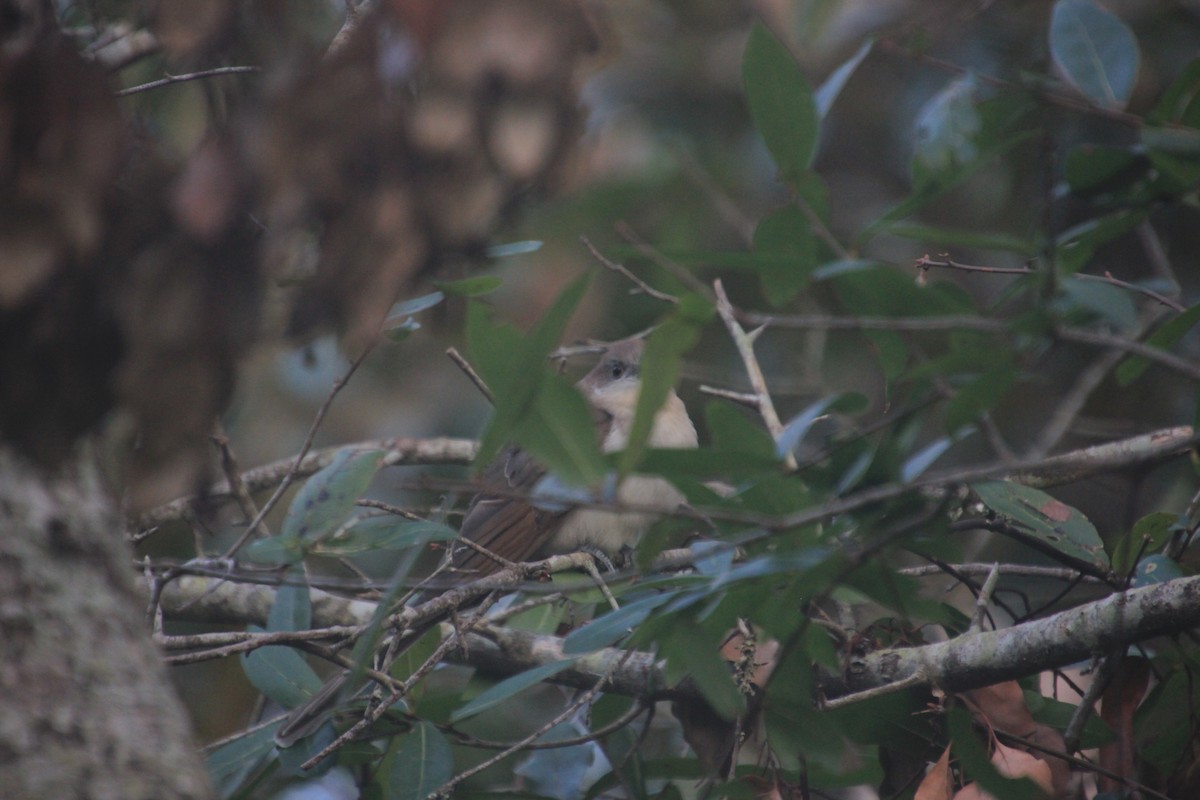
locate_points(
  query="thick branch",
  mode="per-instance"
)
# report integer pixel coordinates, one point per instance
(966, 662)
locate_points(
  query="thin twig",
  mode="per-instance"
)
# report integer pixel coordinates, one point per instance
(925, 263)
(191, 76)
(748, 399)
(446, 788)
(308, 440)
(985, 597)
(460, 360)
(745, 346)
(233, 476)
(1102, 674)
(620, 269)
(677, 270)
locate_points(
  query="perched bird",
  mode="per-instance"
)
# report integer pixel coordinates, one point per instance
(511, 528)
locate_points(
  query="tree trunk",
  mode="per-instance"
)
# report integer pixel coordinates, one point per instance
(88, 711)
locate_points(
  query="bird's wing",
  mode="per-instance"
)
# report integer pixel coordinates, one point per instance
(510, 527)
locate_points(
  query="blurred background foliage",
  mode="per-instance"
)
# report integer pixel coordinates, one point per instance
(946, 129)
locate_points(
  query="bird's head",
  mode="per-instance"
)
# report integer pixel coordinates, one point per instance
(613, 384)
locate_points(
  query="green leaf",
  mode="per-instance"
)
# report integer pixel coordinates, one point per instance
(885, 291)
(292, 609)
(1058, 714)
(734, 432)
(471, 287)
(689, 650)
(614, 625)
(939, 238)
(827, 94)
(515, 366)
(230, 764)
(946, 128)
(366, 534)
(281, 674)
(980, 395)
(1171, 332)
(560, 432)
(1110, 303)
(509, 687)
(660, 370)
(1075, 247)
(422, 763)
(978, 766)
(1149, 535)
(1095, 50)
(780, 101)
(1094, 169)
(1180, 103)
(274, 550)
(327, 498)
(786, 236)
(1045, 519)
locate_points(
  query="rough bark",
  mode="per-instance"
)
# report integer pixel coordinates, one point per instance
(88, 710)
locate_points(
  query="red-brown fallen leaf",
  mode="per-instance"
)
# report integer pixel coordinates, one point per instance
(1117, 705)
(937, 783)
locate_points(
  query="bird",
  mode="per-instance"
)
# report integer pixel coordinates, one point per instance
(509, 526)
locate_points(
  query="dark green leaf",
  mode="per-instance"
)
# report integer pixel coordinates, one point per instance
(327, 498)
(827, 94)
(422, 762)
(514, 366)
(471, 287)
(780, 102)
(980, 395)
(946, 128)
(560, 432)
(940, 239)
(614, 625)
(293, 758)
(1075, 247)
(691, 651)
(1180, 103)
(1149, 535)
(1111, 303)
(366, 534)
(509, 687)
(787, 237)
(660, 370)
(733, 431)
(1093, 168)
(1046, 519)
(1095, 50)
(292, 609)
(1058, 714)
(978, 766)
(230, 764)
(274, 550)
(281, 674)
(888, 292)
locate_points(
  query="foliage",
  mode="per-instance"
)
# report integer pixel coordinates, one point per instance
(797, 570)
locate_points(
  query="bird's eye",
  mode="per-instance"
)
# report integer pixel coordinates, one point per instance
(617, 370)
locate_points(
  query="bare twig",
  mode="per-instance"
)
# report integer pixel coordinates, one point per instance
(620, 269)
(233, 476)
(308, 440)
(924, 263)
(1102, 674)
(758, 382)
(985, 597)
(190, 76)
(748, 399)
(677, 270)
(475, 378)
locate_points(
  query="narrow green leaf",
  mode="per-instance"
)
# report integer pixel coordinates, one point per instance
(509, 687)
(1167, 335)
(1093, 169)
(561, 433)
(690, 651)
(614, 625)
(281, 674)
(471, 287)
(660, 370)
(514, 249)
(940, 239)
(422, 763)
(1110, 303)
(407, 308)
(1180, 103)
(827, 94)
(327, 498)
(1095, 50)
(780, 101)
(367, 534)
(1046, 519)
